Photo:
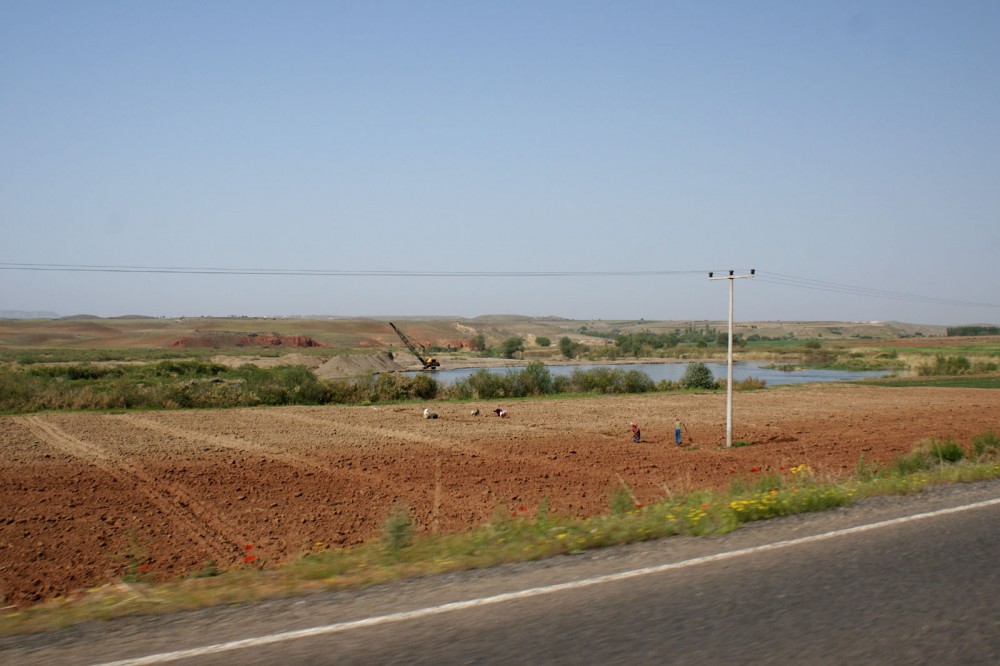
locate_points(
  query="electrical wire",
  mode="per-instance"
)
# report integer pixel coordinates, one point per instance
(821, 285)
(194, 270)
(778, 279)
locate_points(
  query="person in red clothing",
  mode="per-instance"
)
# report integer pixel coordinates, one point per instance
(636, 435)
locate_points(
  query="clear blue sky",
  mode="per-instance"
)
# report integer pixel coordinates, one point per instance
(854, 143)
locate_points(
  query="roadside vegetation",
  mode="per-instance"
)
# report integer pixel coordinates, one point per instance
(521, 534)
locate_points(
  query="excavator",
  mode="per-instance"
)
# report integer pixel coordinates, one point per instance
(428, 363)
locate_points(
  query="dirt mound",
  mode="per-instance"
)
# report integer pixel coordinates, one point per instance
(218, 339)
(354, 365)
(292, 358)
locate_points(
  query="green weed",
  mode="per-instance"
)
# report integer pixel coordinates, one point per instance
(986, 445)
(621, 500)
(398, 530)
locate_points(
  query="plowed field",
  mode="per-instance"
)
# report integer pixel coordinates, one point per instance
(86, 497)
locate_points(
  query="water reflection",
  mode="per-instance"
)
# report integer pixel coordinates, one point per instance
(674, 371)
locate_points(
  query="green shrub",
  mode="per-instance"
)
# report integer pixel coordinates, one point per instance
(927, 454)
(945, 365)
(284, 385)
(424, 387)
(621, 500)
(535, 379)
(569, 348)
(187, 368)
(982, 367)
(986, 445)
(865, 471)
(750, 384)
(398, 529)
(76, 372)
(511, 346)
(915, 461)
(388, 387)
(481, 384)
(947, 451)
(637, 381)
(697, 376)
(599, 380)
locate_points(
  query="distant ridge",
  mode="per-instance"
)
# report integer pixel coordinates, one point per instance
(24, 314)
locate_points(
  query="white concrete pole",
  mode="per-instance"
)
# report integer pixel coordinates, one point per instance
(729, 371)
(729, 368)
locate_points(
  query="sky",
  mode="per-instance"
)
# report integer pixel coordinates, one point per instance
(589, 160)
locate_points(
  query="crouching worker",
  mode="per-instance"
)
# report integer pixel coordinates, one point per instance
(428, 414)
(636, 435)
(502, 413)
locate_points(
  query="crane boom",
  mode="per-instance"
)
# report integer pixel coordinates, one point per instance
(428, 363)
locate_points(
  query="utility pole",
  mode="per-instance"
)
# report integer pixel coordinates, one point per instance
(729, 371)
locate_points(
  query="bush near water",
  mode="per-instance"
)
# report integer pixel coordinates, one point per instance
(195, 384)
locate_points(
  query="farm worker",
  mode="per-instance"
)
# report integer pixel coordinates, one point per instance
(677, 432)
(636, 435)
(428, 414)
(502, 413)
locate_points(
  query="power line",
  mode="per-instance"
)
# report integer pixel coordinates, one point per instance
(194, 270)
(778, 279)
(821, 285)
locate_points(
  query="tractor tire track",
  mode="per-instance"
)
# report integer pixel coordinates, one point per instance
(248, 446)
(171, 499)
(389, 433)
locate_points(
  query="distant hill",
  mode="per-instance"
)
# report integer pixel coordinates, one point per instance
(371, 333)
(22, 314)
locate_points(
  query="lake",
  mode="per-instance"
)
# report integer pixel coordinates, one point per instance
(674, 371)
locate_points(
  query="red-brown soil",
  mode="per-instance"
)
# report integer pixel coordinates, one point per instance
(84, 496)
(219, 339)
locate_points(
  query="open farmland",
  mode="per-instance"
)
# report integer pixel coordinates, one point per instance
(88, 498)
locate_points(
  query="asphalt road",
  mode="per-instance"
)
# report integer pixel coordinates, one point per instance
(917, 586)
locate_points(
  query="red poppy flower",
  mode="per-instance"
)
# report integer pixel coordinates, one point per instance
(249, 546)
(704, 506)
(249, 558)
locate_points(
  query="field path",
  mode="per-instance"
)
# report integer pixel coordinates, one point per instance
(247, 446)
(392, 434)
(173, 500)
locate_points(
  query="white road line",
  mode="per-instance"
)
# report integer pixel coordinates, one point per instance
(259, 641)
